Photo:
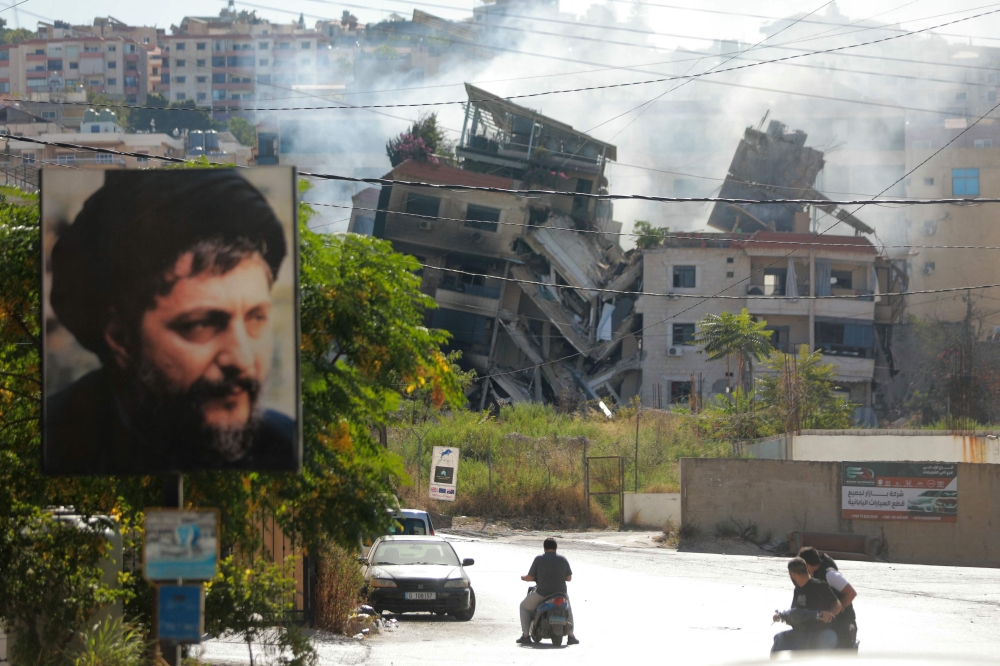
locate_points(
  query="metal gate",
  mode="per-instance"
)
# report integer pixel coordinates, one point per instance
(620, 483)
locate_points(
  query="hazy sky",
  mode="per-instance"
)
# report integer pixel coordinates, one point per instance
(913, 14)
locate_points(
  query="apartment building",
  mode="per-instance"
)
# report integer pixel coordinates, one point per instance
(764, 271)
(223, 71)
(115, 66)
(969, 168)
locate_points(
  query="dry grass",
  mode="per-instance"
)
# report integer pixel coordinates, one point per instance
(339, 586)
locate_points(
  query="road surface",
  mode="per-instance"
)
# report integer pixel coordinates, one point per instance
(646, 605)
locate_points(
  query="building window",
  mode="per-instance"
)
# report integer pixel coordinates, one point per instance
(65, 159)
(200, 46)
(982, 143)
(201, 97)
(218, 95)
(263, 62)
(239, 61)
(426, 207)
(49, 115)
(181, 46)
(112, 64)
(683, 334)
(481, 217)
(284, 45)
(112, 49)
(965, 182)
(142, 159)
(55, 65)
(199, 63)
(218, 61)
(103, 158)
(164, 78)
(262, 46)
(130, 81)
(181, 79)
(181, 97)
(841, 279)
(180, 63)
(305, 45)
(845, 338)
(201, 79)
(730, 274)
(928, 181)
(112, 82)
(730, 260)
(680, 392)
(961, 97)
(74, 65)
(218, 78)
(684, 277)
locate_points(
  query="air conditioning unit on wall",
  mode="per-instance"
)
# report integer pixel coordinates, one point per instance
(675, 351)
(426, 225)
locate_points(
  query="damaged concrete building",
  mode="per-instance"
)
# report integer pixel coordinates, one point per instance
(516, 277)
(767, 257)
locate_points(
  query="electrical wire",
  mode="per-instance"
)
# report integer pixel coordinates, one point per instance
(719, 296)
(680, 236)
(228, 108)
(537, 193)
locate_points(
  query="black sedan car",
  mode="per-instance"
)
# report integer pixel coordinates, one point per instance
(418, 574)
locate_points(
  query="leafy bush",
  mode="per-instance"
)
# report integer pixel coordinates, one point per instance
(112, 642)
(339, 587)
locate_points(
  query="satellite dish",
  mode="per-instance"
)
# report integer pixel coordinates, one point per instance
(176, 132)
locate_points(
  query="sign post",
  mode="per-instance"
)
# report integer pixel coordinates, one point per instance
(917, 491)
(444, 473)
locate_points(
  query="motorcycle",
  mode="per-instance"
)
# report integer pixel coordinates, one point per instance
(551, 619)
(800, 619)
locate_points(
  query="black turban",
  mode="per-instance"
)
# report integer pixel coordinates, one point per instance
(131, 232)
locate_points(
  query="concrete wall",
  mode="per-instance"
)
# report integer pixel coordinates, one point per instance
(896, 445)
(652, 509)
(785, 495)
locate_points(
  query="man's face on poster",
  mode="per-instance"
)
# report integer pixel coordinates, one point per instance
(203, 351)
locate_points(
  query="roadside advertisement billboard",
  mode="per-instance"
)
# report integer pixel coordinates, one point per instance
(926, 491)
(171, 321)
(180, 545)
(444, 473)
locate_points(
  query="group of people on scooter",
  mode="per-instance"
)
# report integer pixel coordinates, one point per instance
(822, 613)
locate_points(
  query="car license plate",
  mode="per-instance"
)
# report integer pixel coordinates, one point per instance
(425, 596)
(557, 619)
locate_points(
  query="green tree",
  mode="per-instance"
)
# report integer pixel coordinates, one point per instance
(364, 348)
(166, 117)
(647, 236)
(726, 335)
(799, 393)
(423, 141)
(243, 130)
(16, 35)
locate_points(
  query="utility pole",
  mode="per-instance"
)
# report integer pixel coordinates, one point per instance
(638, 409)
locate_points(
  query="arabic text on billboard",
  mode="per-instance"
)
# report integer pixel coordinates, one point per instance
(900, 491)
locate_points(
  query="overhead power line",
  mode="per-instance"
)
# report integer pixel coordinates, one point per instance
(832, 50)
(692, 236)
(479, 188)
(672, 295)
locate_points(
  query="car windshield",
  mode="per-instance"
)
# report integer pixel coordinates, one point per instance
(415, 552)
(929, 493)
(412, 526)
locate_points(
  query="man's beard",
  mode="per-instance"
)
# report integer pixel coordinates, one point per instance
(177, 418)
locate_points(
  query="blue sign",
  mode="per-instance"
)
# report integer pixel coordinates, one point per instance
(180, 617)
(181, 545)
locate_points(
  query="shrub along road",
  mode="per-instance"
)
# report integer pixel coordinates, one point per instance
(639, 604)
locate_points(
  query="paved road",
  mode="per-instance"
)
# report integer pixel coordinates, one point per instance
(635, 605)
(651, 605)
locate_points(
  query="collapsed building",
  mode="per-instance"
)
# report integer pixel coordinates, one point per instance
(516, 278)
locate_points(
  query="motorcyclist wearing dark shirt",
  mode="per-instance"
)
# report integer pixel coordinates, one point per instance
(550, 572)
(814, 607)
(824, 568)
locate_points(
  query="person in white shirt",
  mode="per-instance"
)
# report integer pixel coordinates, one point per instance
(823, 567)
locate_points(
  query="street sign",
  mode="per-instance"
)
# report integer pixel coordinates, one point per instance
(181, 545)
(181, 613)
(444, 473)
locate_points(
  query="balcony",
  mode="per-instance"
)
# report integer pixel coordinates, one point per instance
(760, 304)
(850, 369)
(847, 308)
(478, 299)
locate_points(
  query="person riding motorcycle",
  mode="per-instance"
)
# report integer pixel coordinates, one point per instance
(550, 572)
(823, 567)
(814, 607)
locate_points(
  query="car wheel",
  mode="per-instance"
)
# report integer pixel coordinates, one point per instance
(466, 615)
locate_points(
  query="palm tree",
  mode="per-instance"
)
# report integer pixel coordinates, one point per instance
(739, 335)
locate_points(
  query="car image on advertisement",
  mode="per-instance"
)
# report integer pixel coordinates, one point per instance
(418, 574)
(934, 501)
